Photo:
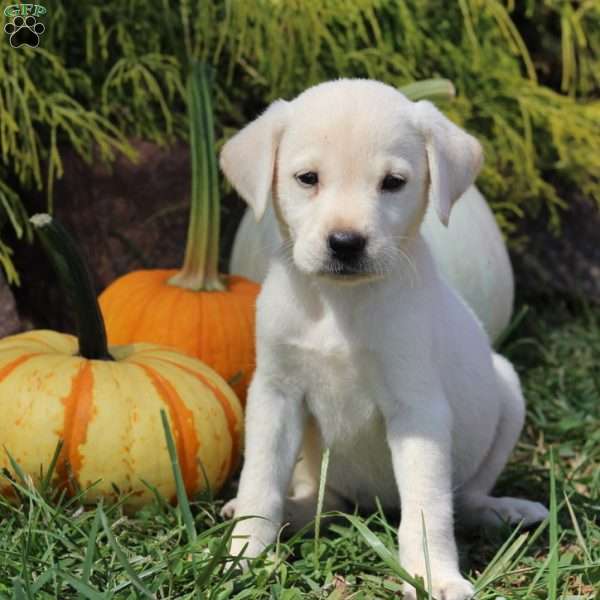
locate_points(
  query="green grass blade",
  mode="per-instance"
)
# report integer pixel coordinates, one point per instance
(514, 324)
(553, 535)
(541, 571)
(41, 580)
(580, 538)
(218, 553)
(531, 540)
(84, 589)
(426, 552)
(121, 556)
(320, 499)
(91, 548)
(17, 468)
(383, 552)
(499, 564)
(18, 591)
(51, 467)
(182, 499)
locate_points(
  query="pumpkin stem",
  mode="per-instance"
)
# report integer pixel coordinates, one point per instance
(429, 89)
(76, 281)
(200, 269)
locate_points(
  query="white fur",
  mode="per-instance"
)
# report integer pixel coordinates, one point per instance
(388, 367)
(470, 254)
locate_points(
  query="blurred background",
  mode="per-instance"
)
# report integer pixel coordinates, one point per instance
(94, 125)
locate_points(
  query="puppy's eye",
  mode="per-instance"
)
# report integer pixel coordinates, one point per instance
(392, 183)
(308, 178)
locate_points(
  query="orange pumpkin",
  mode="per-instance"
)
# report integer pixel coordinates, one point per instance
(195, 309)
(105, 403)
(216, 327)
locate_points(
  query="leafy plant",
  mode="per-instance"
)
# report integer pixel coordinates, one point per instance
(39, 110)
(526, 76)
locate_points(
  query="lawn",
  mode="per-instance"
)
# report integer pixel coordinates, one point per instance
(52, 547)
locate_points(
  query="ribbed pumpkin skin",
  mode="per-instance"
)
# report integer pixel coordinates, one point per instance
(108, 414)
(216, 327)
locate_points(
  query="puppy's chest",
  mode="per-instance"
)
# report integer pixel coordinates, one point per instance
(342, 381)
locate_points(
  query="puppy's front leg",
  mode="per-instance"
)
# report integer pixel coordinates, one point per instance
(274, 429)
(419, 436)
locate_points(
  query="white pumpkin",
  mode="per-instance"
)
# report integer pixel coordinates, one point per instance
(472, 256)
(470, 253)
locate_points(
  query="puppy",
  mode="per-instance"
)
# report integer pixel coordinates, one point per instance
(361, 347)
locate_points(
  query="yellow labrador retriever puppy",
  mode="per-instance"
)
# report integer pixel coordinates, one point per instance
(361, 346)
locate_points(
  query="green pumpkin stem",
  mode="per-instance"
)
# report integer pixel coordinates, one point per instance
(429, 89)
(200, 269)
(76, 281)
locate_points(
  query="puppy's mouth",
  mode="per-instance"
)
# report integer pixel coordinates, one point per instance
(349, 273)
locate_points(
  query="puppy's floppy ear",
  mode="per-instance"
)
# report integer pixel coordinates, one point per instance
(454, 158)
(248, 158)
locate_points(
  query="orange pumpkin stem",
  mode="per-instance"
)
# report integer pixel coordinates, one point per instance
(200, 269)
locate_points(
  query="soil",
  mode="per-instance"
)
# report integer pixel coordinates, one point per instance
(127, 217)
(565, 262)
(9, 318)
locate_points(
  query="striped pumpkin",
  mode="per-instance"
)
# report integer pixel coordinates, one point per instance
(105, 403)
(108, 415)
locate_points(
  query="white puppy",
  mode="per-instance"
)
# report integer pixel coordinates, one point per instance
(361, 347)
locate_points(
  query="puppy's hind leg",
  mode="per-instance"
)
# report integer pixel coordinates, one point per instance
(301, 510)
(475, 505)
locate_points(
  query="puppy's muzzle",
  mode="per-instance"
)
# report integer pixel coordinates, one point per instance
(346, 246)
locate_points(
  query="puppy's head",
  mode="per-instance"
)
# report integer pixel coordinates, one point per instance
(351, 166)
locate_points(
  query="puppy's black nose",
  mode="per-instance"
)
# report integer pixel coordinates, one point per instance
(346, 245)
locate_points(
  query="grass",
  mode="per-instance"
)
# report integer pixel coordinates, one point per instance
(52, 547)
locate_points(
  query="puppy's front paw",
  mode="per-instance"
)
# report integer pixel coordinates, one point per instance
(228, 510)
(251, 536)
(247, 545)
(446, 581)
(452, 588)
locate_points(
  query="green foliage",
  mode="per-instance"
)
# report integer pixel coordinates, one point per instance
(526, 74)
(559, 35)
(39, 110)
